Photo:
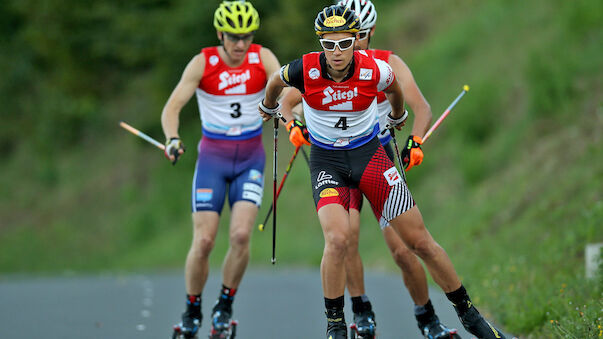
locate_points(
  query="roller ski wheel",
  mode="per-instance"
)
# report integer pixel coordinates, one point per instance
(364, 326)
(222, 326)
(180, 333)
(355, 335)
(188, 328)
(225, 333)
(434, 329)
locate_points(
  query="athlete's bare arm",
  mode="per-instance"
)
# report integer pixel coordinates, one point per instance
(270, 62)
(413, 96)
(273, 89)
(396, 100)
(181, 95)
(290, 102)
(273, 67)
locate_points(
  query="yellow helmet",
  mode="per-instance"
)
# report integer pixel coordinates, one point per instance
(236, 17)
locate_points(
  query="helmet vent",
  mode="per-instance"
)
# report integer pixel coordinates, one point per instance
(230, 22)
(236, 17)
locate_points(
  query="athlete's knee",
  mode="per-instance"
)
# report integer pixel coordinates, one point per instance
(239, 238)
(203, 245)
(352, 242)
(337, 244)
(425, 247)
(403, 256)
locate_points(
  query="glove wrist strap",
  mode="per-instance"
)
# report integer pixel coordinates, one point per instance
(417, 139)
(270, 111)
(400, 119)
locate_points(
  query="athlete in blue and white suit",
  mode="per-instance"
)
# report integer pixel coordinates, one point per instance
(229, 82)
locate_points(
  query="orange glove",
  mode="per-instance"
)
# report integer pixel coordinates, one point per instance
(298, 133)
(412, 154)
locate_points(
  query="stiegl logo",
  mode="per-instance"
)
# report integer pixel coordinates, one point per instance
(392, 176)
(227, 79)
(332, 95)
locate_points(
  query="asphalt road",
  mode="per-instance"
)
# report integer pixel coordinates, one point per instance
(271, 303)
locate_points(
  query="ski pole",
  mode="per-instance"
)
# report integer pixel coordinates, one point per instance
(445, 114)
(393, 134)
(280, 187)
(274, 196)
(142, 135)
(305, 156)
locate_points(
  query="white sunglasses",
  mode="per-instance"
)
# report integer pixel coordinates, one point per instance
(363, 34)
(343, 44)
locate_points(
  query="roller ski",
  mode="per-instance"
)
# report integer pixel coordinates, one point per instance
(222, 326)
(364, 326)
(475, 324)
(188, 328)
(434, 329)
(336, 327)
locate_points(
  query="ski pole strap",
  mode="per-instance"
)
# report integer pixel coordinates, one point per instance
(393, 122)
(273, 112)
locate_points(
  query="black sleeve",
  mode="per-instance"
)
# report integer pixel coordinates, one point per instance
(293, 74)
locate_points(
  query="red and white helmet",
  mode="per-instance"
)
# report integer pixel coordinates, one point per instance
(364, 9)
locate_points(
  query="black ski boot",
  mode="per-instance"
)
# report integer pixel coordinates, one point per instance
(222, 326)
(336, 326)
(475, 324)
(434, 329)
(189, 326)
(364, 326)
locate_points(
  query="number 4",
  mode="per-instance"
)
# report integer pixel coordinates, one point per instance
(342, 123)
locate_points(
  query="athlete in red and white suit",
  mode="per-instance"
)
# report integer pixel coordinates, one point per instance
(339, 88)
(413, 272)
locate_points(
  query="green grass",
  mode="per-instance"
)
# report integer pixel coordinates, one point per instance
(510, 185)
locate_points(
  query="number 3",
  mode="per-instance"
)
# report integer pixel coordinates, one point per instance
(237, 110)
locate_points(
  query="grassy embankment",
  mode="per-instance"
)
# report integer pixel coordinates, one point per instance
(510, 186)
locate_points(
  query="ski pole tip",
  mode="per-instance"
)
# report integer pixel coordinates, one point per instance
(273, 260)
(466, 88)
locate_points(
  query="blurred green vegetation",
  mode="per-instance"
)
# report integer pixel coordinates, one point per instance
(510, 186)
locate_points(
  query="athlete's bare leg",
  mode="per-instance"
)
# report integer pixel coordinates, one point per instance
(411, 229)
(334, 220)
(205, 227)
(353, 263)
(413, 273)
(242, 219)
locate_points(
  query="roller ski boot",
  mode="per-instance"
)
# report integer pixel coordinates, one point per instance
(336, 326)
(222, 326)
(189, 326)
(364, 326)
(475, 324)
(434, 329)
